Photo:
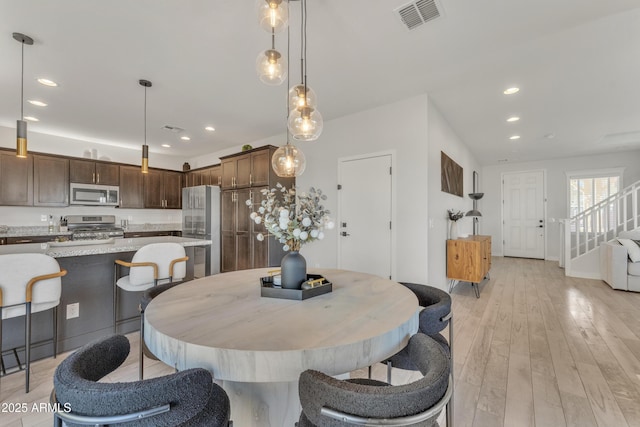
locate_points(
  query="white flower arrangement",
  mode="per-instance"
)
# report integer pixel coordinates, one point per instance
(293, 221)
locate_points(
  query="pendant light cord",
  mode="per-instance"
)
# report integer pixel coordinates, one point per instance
(22, 85)
(304, 30)
(145, 115)
(288, 76)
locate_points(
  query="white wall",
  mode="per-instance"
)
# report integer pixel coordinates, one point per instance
(556, 190)
(442, 138)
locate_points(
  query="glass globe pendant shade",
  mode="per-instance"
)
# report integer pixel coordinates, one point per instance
(305, 124)
(271, 67)
(273, 15)
(301, 96)
(288, 161)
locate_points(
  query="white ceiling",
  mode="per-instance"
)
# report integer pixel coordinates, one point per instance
(577, 63)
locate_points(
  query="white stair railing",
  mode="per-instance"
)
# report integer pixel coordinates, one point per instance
(602, 222)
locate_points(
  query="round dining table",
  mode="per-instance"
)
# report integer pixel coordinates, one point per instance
(256, 347)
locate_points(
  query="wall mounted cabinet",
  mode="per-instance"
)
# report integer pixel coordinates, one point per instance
(131, 187)
(50, 181)
(162, 189)
(16, 180)
(91, 172)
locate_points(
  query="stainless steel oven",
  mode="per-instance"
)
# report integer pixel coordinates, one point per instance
(88, 194)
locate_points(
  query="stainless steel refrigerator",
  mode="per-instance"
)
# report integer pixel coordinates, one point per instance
(201, 220)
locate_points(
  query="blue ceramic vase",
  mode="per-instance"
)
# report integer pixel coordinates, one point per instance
(293, 268)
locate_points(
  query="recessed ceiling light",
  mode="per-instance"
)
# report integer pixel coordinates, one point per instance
(31, 119)
(185, 138)
(511, 90)
(37, 103)
(513, 119)
(210, 128)
(514, 137)
(550, 135)
(47, 82)
(166, 145)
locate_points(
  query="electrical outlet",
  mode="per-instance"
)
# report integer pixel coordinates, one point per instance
(43, 218)
(73, 310)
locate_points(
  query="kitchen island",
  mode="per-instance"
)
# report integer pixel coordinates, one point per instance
(89, 283)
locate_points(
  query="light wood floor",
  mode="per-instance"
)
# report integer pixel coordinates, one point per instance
(537, 349)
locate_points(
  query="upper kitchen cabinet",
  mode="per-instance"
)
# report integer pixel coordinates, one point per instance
(91, 172)
(248, 169)
(50, 181)
(162, 189)
(16, 180)
(215, 175)
(131, 187)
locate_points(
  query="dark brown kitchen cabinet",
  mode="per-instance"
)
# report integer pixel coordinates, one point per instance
(16, 180)
(215, 175)
(162, 189)
(235, 230)
(91, 172)
(33, 239)
(50, 181)
(131, 187)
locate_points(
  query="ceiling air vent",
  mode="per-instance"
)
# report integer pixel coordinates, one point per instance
(417, 13)
(173, 129)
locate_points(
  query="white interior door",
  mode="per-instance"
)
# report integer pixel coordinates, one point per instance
(365, 215)
(523, 214)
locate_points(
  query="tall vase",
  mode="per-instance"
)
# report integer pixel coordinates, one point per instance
(453, 230)
(293, 268)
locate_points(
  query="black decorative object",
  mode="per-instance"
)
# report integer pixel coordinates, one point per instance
(293, 269)
(269, 290)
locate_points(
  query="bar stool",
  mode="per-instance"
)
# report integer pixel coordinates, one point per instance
(150, 265)
(29, 283)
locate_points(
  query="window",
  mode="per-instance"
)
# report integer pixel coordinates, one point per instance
(587, 189)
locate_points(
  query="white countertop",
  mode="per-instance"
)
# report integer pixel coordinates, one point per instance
(119, 245)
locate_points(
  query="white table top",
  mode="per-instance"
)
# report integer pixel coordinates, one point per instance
(223, 324)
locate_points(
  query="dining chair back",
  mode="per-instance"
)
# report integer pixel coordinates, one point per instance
(186, 398)
(29, 283)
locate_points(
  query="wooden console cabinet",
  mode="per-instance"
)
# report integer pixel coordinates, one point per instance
(469, 260)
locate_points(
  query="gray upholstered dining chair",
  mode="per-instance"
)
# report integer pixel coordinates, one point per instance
(329, 402)
(29, 283)
(435, 316)
(147, 297)
(150, 265)
(187, 398)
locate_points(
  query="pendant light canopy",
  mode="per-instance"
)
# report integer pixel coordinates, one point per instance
(305, 121)
(288, 161)
(273, 15)
(145, 148)
(21, 125)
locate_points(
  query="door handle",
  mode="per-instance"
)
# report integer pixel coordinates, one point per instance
(541, 226)
(345, 234)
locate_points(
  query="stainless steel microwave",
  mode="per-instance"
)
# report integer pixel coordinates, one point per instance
(88, 194)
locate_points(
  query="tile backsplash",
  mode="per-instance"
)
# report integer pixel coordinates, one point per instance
(26, 216)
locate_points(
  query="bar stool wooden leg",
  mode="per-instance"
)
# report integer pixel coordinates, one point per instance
(55, 331)
(141, 363)
(27, 345)
(115, 299)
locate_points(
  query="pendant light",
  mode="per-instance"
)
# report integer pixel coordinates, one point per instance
(145, 147)
(273, 15)
(288, 161)
(271, 66)
(21, 125)
(305, 122)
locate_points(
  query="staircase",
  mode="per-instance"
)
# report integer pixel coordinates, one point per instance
(582, 234)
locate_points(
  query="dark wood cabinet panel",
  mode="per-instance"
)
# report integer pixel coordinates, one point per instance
(131, 187)
(153, 194)
(91, 172)
(228, 174)
(82, 171)
(172, 189)
(33, 239)
(16, 180)
(243, 251)
(215, 175)
(228, 215)
(162, 189)
(243, 222)
(50, 181)
(243, 171)
(228, 244)
(260, 167)
(107, 174)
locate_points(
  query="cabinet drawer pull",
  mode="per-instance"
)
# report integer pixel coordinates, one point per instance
(250, 179)
(24, 241)
(93, 177)
(98, 178)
